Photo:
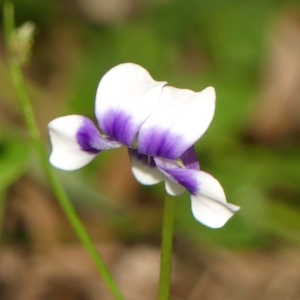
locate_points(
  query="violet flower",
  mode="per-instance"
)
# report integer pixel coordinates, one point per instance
(159, 125)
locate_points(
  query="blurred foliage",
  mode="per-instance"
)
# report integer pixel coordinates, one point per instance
(14, 156)
(191, 44)
(13, 159)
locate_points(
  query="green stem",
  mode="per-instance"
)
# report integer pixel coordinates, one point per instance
(2, 209)
(166, 248)
(61, 195)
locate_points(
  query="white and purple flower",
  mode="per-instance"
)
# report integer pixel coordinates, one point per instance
(159, 125)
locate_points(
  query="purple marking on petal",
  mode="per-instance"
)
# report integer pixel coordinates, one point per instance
(144, 159)
(185, 177)
(161, 143)
(85, 136)
(118, 126)
(90, 140)
(189, 159)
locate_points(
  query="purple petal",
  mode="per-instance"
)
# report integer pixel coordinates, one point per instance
(160, 143)
(209, 205)
(189, 159)
(183, 176)
(119, 126)
(180, 118)
(126, 96)
(75, 142)
(90, 140)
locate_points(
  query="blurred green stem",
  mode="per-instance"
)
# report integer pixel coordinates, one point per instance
(2, 208)
(166, 248)
(28, 114)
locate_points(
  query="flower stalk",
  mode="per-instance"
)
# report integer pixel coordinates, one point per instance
(166, 248)
(15, 65)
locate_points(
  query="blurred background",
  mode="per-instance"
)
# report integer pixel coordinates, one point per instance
(250, 52)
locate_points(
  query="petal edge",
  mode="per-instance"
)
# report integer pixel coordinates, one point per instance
(209, 204)
(75, 142)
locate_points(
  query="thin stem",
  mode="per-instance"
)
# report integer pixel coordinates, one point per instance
(57, 188)
(2, 209)
(166, 248)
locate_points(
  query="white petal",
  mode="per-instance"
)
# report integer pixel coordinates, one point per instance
(180, 118)
(126, 96)
(173, 189)
(209, 204)
(144, 173)
(75, 142)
